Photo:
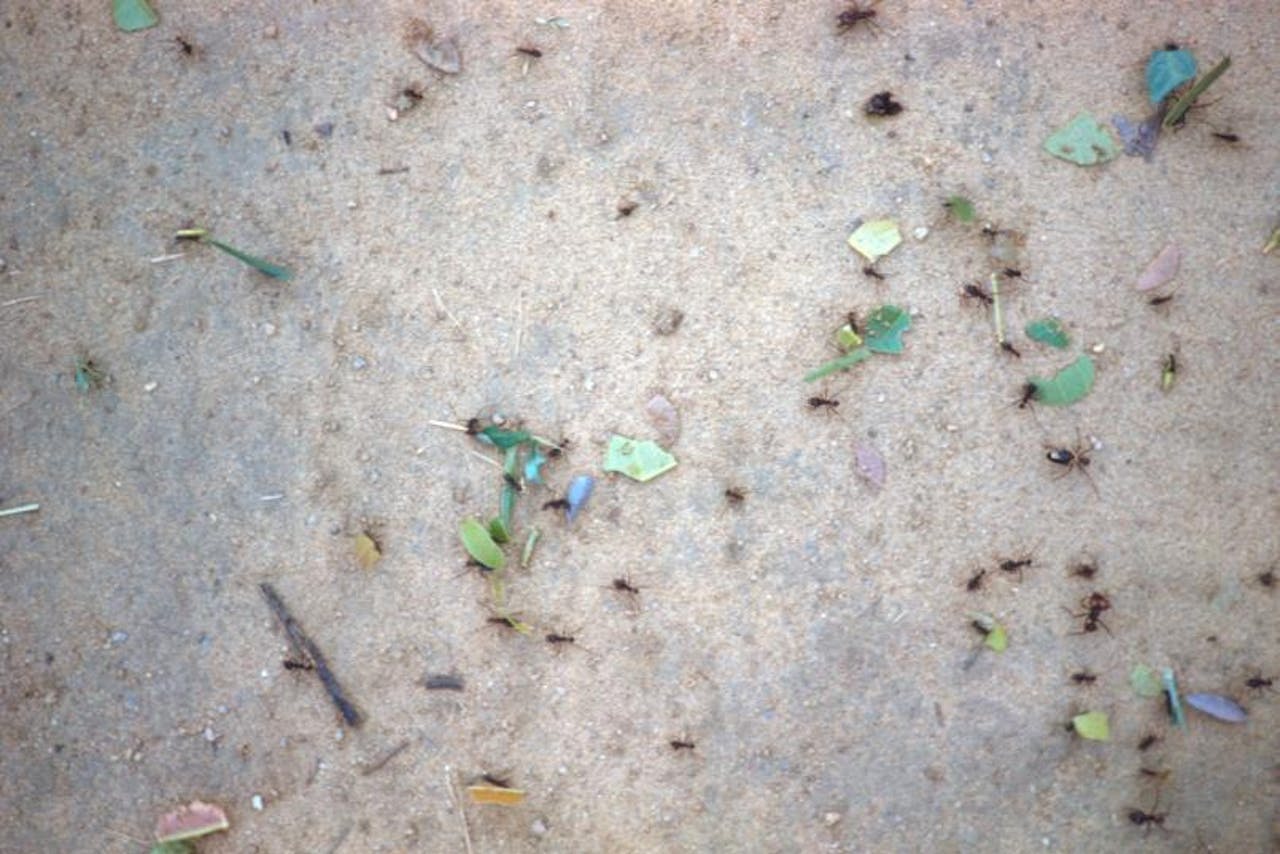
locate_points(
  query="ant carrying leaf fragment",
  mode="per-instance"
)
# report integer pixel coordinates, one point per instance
(267, 268)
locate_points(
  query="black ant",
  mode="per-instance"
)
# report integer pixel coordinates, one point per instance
(529, 51)
(187, 47)
(558, 450)
(735, 495)
(1008, 347)
(474, 426)
(1160, 300)
(1017, 565)
(294, 664)
(512, 482)
(851, 320)
(873, 273)
(556, 504)
(1147, 741)
(508, 622)
(882, 104)
(623, 585)
(851, 17)
(492, 780)
(627, 208)
(1258, 683)
(1011, 273)
(1148, 819)
(1267, 579)
(556, 639)
(972, 290)
(975, 583)
(1227, 137)
(1028, 392)
(816, 403)
(1084, 570)
(1094, 604)
(681, 744)
(1084, 677)
(1077, 458)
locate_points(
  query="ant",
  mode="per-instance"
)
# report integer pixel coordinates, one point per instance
(474, 426)
(1016, 565)
(1160, 300)
(1008, 347)
(556, 504)
(509, 622)
(511, 481)
(1142, 818)
(556, 639)
(627, 208)
(1227, 137)
(873, 273)
(851, 320)
(882, 104)
(851, 17)
(817, 403)
(1267, 579)
(1011, 273)
(1084, 677)
(1084, 570)
(1028, 392)
(735, 495)
(189, 49)
(493, 780)
(294, 664)
(682, 743)
(975, 583)
(529, 51)
(1147, 741)
(1258, 683)
(1094, 604)
(973, 290)
(1076, 458)
(1158, 775)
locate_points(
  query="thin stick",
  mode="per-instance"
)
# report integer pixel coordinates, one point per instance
(160, 259)
(482, 457)
(449, 314)
(996, 313)
(392, 170)
(305, 647)
(1179, 109)
(378, 763)
(18, 301)
(449, 425)
(519, 324)
(22, 508)
(462, 814)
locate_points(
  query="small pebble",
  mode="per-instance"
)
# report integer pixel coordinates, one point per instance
(1097, 348)
(358, 363)
(271, 32)
(268, 329)
(831, 819)
(920, 233)
(538, 828)
(256, 800)
(151, 386)
(324, 129)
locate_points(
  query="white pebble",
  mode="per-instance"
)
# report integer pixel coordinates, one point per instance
(831, 819)
(538, 828)
(256, 800)
(268, 329)
(1097, 348)
(151, 386)
(921, 232)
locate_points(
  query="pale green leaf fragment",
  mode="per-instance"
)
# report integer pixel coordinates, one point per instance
(532, 540)
(1144, 682)
(874, 239)
(997, 638)
(479, 543)
(1047, 330)
(133, 15)
(180, 846)
(847, 339)
(1092, 725)
(498, 531)
(640, 460)
(1083, 141)
(1068, 385)
(848, 360)
(961, 208)
(885, 327)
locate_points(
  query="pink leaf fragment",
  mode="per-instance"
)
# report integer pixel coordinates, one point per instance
(871, 465)
(191, 820)
(663, 416)
(1162, 269)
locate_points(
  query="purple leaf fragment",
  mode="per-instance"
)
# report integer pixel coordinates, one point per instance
(579, 491)
(871, 465)
(1140, 139)
(1217, 706)
(663, 416)
(1162, 268)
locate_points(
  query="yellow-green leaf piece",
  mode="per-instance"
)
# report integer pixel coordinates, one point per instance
(480, 545)
(1068, 385)
(640, 460)
(1092, 725)
(997, 638)
(875, 239)
(367, 551)
(1083, 142)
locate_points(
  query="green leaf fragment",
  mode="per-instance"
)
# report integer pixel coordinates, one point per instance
(275, 271)
(503, 439)
(997, 639)
(638, 460)
(1167, 70)
(180, 846)
(961, 208)
(847, 339)
(526, 554)
(874, 239)
(479, 543)
(1047, 330)
(133, 15)
(848, 360)
(1082, 141)
(1067, 386)
(1143, 681)
(1092, 725)
(885, 328)
(1180, 107)
(498, 531)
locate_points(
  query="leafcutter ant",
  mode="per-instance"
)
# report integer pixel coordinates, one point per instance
(1094, 605)
(1160, 300)
(1008, 347)
(855, 14)
(973, 290)
(682, 743)
(882, 104)
(1028, 393)
(1141, 818)
(1147, 741)
(1077, 459)
(1259, 683)
(294, 664)
(1084, 570)
(975, 582)
(1227, 137)
(872, 273)
(735, 495)
(816, 403)
(1084, 677)
(529, 51)
(556, 504)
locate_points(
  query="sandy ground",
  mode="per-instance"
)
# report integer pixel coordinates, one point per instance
(812, 642)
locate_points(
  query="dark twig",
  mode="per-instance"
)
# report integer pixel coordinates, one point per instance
(305, 647)
(382, 760)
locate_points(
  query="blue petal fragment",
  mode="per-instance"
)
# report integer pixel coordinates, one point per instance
(533, 466)
(579, 491)
(1217, 706)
